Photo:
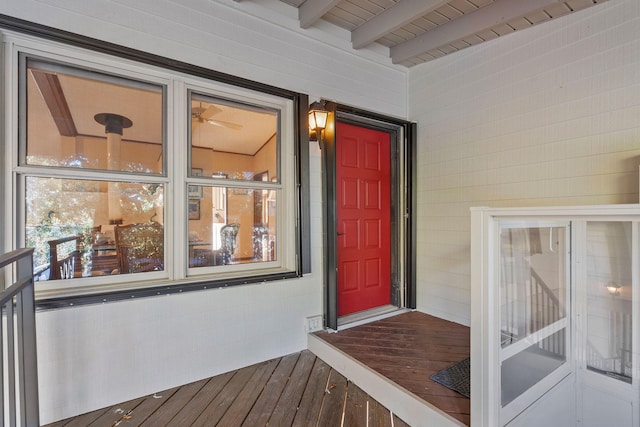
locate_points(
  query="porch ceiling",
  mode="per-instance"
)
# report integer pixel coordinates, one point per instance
(417, 31)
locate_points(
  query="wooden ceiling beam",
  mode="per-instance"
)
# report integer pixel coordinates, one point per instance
(311, 11)
(51, 90)
(397, 16)
(498, 12)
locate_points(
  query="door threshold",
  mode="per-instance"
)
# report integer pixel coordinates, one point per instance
(366, 316)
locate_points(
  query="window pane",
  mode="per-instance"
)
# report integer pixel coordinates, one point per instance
(609, 299)
(532, 280)
(72, 225)
(234, 140)
(231, 225)
(79, 119)
(523, 370)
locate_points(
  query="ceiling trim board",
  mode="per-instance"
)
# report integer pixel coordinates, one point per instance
(51, 90)
(393, 18)
(498, 12)
(311, 11)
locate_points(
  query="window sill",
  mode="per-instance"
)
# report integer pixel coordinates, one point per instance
(46, 302)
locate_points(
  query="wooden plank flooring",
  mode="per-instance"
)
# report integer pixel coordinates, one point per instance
(295, 390)
(408, 349)
(302, 390)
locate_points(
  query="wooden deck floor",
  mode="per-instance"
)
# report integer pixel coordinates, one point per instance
(408, 349)
(294, 390)
(302, 390)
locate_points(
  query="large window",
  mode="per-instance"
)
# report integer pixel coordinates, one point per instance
(233, 215)
(127, 175)
(91, 161)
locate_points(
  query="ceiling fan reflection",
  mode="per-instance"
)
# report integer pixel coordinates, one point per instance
(202, 115)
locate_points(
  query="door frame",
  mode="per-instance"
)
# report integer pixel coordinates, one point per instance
(403, 222)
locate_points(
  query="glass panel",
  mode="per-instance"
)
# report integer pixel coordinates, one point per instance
(532, 280)
(233, 140)
(75, 222)
(523, 370)
(609, 304)
(80, 119)
(231, 226)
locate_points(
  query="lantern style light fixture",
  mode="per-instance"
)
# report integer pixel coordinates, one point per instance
(317, 121)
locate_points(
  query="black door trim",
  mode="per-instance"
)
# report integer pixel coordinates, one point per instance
(407, 137)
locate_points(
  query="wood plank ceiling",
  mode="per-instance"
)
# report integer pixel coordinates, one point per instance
(417, 31)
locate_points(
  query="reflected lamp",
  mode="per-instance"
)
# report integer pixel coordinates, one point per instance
(613, 288)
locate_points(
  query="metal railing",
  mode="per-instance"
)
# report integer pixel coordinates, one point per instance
(618, 360)
(531, 299)
(546, 309)
(19, 373)
(543, 308)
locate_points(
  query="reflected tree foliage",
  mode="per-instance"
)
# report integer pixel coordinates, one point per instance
(57, 208)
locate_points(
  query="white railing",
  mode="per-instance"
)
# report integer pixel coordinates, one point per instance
(19, 374)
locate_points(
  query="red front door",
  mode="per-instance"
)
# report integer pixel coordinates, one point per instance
(363, 207)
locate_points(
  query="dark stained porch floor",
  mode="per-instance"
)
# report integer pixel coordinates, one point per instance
(407, 349)
(295, 390)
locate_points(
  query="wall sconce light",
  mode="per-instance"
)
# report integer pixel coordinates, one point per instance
(613, 288)
(317, 121)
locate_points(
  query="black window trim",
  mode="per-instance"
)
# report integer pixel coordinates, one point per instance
(301, 145)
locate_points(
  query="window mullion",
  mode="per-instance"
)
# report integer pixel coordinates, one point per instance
(176, 208)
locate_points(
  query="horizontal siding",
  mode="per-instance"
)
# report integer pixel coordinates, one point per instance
(221, 36)
(546, 116)
(96, 356)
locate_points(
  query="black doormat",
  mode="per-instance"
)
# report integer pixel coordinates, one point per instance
(456, 377)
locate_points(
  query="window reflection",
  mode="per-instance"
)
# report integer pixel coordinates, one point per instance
(532, 284)
(90, 170)
(233, 140)
(609, 307)
(232, 226)
(66, 120)
(69, 225)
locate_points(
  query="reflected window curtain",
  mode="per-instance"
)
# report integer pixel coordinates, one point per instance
(516, 273)
(535, 243)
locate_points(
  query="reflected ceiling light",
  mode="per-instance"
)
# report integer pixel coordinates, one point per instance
(613, 288)
(113, 125)
(317, 121)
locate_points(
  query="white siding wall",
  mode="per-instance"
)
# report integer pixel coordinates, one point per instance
(94, 356)
(546, 116)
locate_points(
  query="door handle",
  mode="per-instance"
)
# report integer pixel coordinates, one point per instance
(339, 233)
